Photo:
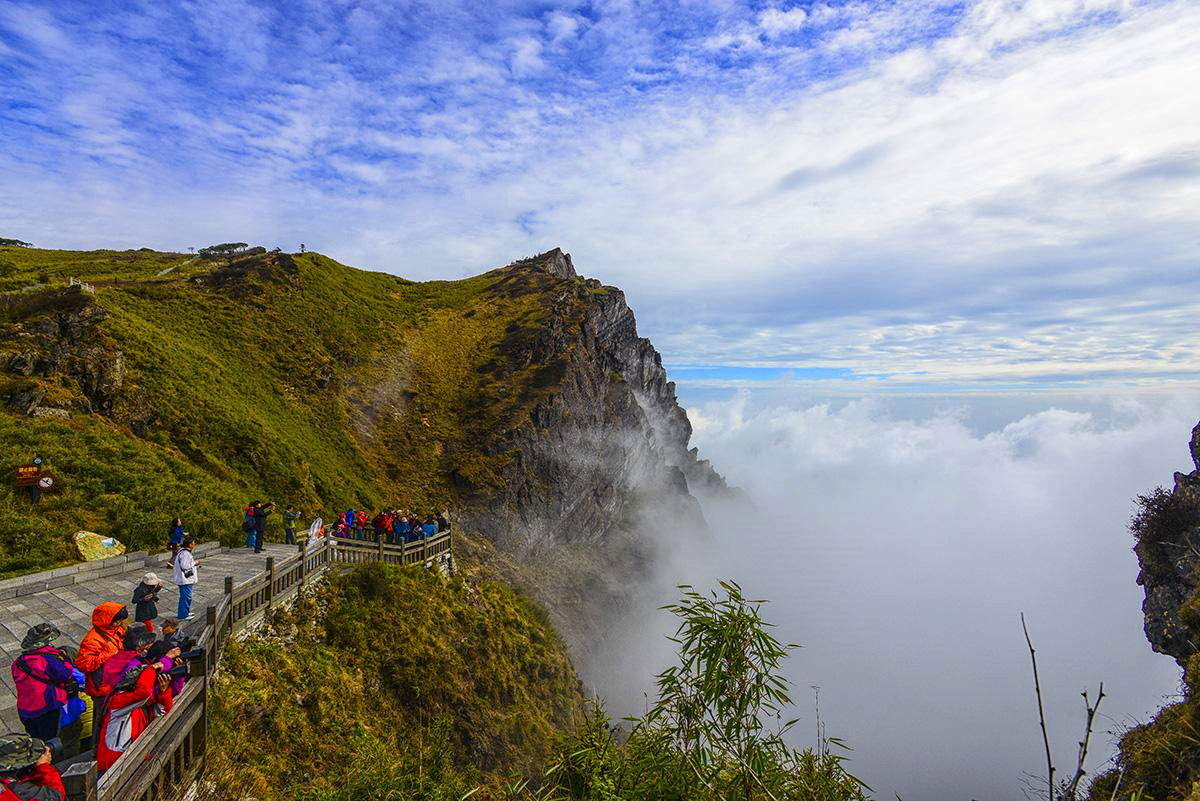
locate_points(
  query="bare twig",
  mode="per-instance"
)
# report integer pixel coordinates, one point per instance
(1037, 688)
(1073, 786)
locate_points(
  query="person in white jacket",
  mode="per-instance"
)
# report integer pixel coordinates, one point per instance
(186, 575)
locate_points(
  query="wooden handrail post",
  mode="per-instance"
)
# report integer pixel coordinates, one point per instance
(229, 598)
(270, 581)
(79, 780)
(379, 543)
(210, 654)
(301, 547)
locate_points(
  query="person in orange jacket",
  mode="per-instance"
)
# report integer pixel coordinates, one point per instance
(141, 695)
(109, 621)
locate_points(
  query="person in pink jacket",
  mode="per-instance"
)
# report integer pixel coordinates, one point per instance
(44, 678)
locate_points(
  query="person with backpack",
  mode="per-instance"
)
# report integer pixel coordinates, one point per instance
(145, 599)
(25, 770)
(135, 645)
(109, 621)
(143, 694)
(45, 679)
(186, 576)
(174, 537)
(248, 523)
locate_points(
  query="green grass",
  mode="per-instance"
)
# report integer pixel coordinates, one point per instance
(1159, 760)
(289, 377)
(392, 683)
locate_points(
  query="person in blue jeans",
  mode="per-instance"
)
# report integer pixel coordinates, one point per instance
(186, 576)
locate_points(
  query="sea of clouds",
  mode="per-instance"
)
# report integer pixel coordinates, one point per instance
(898, 544)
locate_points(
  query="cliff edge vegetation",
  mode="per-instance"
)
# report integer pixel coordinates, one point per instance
(1160, 760)
(398, 683)
(391, 683)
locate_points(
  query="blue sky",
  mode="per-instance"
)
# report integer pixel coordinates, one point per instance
(914, 195)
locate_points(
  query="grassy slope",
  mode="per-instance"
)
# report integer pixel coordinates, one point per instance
(322, 385)
(447, 683)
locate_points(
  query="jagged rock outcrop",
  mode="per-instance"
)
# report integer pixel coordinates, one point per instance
(598, 480)
(608, 445)
(1168, 549)
(58, 347)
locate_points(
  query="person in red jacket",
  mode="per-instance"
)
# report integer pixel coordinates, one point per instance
(142, 695)
(25, 770)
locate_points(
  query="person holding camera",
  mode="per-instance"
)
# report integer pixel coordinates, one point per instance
(25, 770)
(134, 652)
(186, 576)
(45, 679)
(145, 599)
(142, 694)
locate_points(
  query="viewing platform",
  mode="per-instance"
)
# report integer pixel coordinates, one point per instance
(237, 588)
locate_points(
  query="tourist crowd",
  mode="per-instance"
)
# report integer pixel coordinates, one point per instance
(125, 673)
(395, 526)
(104, 694)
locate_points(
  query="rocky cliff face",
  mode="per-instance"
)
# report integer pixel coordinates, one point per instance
(600, 483)
(609, 443)
(57, 360)
(1168, 549)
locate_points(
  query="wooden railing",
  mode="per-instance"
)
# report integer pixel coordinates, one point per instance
(169, 754)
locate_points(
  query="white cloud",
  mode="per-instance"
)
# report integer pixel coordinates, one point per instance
(773, 22)
(898, 549)
(1009, 192)
(526, 56)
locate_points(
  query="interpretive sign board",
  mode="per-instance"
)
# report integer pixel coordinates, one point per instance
(28, 474)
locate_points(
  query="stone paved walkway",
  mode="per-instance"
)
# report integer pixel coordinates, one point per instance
(70, 606)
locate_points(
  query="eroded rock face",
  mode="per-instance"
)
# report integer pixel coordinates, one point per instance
(600, 477)
(1170, 567)
(609, 444)
(65, 356)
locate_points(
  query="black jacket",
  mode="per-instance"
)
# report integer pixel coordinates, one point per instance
(144, 599)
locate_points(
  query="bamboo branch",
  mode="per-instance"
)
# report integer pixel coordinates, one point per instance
(1073, 786)
(1037, 688)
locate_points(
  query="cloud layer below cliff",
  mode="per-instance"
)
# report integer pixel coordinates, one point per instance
(899, 547)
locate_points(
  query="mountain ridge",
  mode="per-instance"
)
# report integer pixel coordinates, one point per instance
(522, 398)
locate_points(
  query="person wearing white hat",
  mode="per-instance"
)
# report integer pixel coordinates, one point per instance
(145, 599)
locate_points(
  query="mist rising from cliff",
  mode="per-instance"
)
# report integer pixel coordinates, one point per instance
(899, 551)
